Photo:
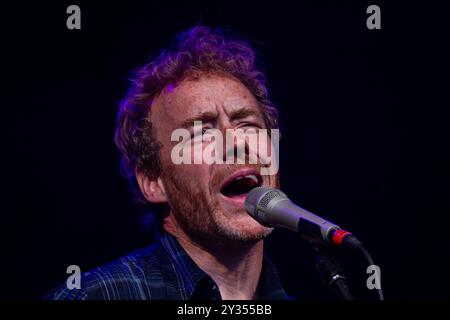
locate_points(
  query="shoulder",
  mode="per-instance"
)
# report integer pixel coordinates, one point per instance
(135, 276)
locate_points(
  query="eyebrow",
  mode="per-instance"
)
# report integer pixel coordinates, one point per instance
(243, 113)
(210, 116)
(207, 117)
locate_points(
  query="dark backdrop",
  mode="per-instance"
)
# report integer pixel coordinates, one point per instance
(363, 122)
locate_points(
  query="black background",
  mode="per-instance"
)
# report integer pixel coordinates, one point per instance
(363, 116)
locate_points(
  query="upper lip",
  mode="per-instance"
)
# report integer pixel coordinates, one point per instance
(242, 173)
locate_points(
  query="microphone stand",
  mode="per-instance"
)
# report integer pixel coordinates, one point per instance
(331, 273)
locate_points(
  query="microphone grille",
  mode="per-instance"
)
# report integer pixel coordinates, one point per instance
(258, 200)
(268, 197)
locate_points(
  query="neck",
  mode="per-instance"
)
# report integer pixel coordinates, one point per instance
(235, 269)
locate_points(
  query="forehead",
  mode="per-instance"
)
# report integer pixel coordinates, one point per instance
(209, 93)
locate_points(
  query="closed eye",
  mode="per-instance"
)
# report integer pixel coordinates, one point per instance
(199, 132)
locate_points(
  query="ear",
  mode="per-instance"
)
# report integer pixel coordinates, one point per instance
(152, 188)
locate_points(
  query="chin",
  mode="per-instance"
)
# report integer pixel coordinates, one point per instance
(242, 228)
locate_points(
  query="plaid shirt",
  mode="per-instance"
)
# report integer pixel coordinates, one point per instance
(161, 271)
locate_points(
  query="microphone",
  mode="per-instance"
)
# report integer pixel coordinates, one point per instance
(272, 208)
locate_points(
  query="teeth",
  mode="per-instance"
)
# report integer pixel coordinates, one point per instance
(253, 177)
(250, 176)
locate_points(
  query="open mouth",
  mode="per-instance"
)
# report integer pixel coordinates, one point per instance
(239, 185)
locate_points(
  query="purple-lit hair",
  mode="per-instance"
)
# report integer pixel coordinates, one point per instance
(198, 50)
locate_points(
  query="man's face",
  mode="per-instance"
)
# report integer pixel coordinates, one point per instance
(207, 200)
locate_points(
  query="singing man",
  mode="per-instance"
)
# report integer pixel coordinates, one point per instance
(209, 247)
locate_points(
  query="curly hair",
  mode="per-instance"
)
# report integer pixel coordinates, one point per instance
(196, 51)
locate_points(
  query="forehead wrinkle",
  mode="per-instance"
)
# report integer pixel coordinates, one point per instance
(227, 98)
(243, 108)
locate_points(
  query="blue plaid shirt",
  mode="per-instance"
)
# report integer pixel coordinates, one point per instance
(161, 271)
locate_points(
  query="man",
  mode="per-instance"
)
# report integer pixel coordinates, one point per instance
(209, 247)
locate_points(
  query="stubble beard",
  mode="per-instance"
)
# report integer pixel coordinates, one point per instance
(201, 218)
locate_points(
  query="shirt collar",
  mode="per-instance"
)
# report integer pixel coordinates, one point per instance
(194, 282)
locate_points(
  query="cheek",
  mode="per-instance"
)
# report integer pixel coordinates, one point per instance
(195, 176)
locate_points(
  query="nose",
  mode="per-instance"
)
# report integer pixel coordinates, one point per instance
(235, 145)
